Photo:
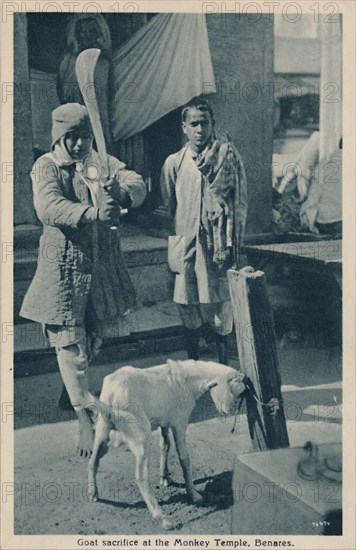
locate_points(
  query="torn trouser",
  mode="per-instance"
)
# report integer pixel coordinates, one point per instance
(75, 347)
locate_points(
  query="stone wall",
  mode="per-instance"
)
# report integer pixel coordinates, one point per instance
(23, 149)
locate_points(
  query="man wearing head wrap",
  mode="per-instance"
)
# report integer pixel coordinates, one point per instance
(81, 283)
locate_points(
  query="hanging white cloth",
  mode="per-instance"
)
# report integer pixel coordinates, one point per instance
(323, 204)
(330, 87)
(164, 65)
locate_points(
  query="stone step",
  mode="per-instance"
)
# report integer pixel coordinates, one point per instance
(146, 331)
(158, 318)
(146, 258)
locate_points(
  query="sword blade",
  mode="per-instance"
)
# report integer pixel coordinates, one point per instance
(84, 69)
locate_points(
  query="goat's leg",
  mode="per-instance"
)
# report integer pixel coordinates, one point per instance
(99, 449)
(165, 444)
(179, 438)
(141, 452)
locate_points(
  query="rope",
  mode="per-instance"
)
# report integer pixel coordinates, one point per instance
(272, 405)
(236, 413)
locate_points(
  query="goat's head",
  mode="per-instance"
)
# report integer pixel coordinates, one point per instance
(225, 390)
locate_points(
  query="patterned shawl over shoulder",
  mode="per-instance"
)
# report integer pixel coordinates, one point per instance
(224, 200)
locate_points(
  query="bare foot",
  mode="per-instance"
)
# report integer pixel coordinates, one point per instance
(86, 434)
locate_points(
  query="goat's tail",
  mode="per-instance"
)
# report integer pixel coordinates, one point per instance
(99, 409)
(111, 416)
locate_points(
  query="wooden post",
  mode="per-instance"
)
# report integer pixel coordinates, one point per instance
(256, 342)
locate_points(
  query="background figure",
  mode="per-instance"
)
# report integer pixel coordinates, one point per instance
(308, 198)
(85, 287)
(322, 210)
(87, 30)
(204, 187)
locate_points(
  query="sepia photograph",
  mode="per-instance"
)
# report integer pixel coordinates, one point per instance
(174, 311)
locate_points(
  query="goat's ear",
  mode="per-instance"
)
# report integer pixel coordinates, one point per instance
(171, 362)
(211, 385)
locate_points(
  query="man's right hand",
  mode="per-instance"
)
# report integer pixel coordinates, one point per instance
(109, 209)
(109, 214)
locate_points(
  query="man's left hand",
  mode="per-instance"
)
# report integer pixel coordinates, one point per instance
(112, 185)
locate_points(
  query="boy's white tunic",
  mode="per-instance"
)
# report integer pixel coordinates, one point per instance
(198, 279)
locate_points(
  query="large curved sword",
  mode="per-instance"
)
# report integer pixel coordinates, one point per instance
(84, 69)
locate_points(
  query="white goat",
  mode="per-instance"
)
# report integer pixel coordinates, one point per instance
(136, 401)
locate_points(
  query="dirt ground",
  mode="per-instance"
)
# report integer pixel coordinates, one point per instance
(51, 486)
(59, 504)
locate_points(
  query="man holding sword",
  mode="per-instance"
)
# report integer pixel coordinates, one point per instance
(81, 284)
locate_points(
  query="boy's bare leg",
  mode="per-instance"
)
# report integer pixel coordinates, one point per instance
(73, 363)
(86, 433)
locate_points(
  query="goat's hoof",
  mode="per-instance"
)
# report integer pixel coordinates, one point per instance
(165, 481)
(92, 495)
(167, 524)
(195, 498)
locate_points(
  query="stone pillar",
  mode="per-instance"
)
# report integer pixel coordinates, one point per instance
(241, 47)
(23, 148)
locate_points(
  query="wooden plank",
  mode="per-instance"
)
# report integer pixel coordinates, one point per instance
(312, 251)
(256, 342)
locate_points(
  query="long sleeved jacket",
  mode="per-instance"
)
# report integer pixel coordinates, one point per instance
(198, 278)
(77, 261)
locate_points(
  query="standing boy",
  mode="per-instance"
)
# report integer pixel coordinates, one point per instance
(204, 186)
(81, 283)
